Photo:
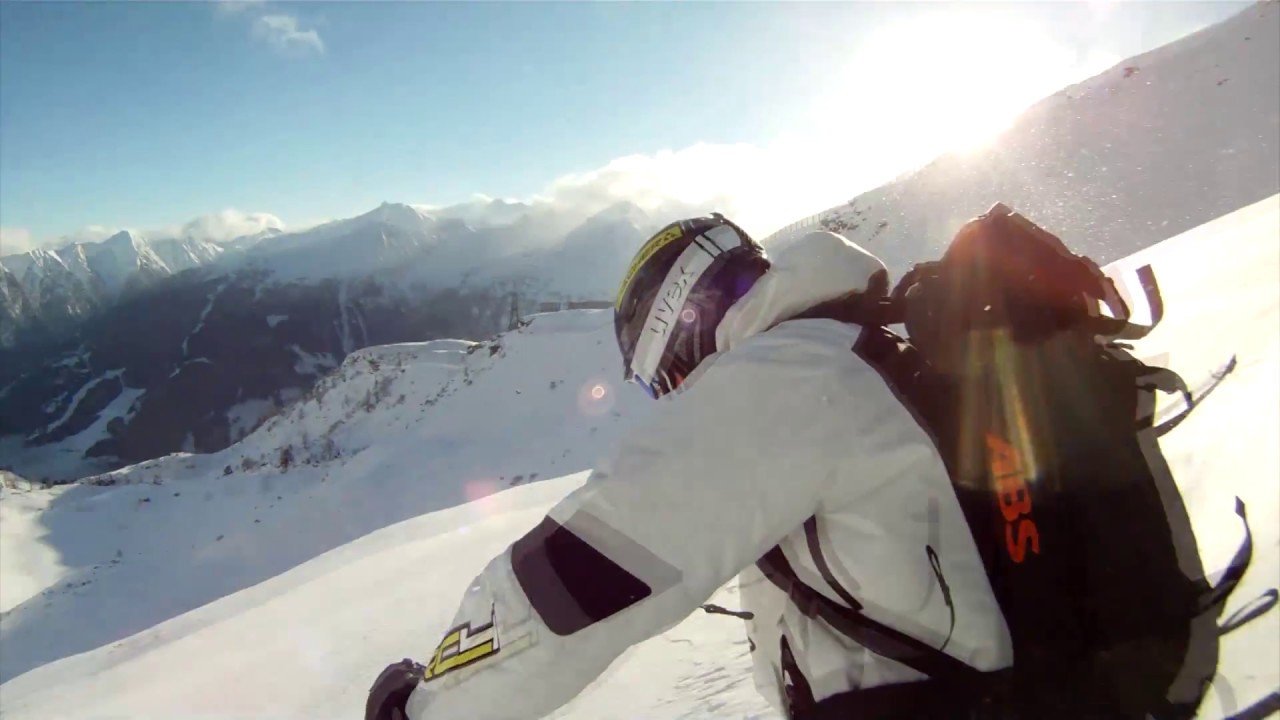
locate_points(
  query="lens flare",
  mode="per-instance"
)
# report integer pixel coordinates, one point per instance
(595, 397)
(477, 489)
(688, 315)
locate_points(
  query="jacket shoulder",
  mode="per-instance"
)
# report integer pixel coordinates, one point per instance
(811, 349)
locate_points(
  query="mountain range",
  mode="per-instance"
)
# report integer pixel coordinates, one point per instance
(131, 348)
(45, 291)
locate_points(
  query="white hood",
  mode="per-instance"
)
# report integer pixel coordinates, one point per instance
(812, 269)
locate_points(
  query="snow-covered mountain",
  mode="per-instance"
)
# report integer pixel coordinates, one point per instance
(339, 536)
(543, 245)
(484, 212)
(397, 247)
(394, 245)
(389, 234)
(204, 356)
(1158, 144)
(47, 290)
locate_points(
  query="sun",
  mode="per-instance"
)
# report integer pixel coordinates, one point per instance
(947, 79)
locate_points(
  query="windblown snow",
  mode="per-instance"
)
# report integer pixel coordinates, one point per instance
(277, 577)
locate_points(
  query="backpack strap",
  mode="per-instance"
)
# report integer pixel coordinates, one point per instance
(870, 634)
(1155, 302)
(1192, 398)
(1260, 710)
(876, 305)
(964, 684)
(1211, 601)
(1215, 599)
(1254, 609)
(870, 306)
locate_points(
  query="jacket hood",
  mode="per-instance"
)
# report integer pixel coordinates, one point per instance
(808, 271)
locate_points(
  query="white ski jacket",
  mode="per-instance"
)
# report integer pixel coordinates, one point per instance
(784, 424)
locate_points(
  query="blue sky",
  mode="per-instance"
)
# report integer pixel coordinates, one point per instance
(150, 114)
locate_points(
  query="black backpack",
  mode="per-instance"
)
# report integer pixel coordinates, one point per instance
(1047, 426)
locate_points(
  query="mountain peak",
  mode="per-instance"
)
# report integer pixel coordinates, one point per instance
(42, 253)
(621, 210)
(123, 239)
(400, 215)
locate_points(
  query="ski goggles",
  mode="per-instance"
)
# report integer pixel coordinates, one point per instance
(649, 388)
(663, 382)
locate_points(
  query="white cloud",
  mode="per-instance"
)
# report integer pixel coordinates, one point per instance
(20, 240)
(312, 224)
(87, 234)
(761, 187)
(862, 130)
(228, 225)
(283, 33)
(221, 226)
(236, 7)
(15, 240)
(280, 30)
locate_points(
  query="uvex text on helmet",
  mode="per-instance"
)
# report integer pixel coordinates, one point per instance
(674, 294)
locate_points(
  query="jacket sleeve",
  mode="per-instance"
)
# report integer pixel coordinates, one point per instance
(713, 480)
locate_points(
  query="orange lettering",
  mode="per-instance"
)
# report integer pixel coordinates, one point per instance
(1013, 496)
(1014, 499)
(1002, 457)
(1027, 532)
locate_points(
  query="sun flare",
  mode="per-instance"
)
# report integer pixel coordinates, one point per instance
(948, 81)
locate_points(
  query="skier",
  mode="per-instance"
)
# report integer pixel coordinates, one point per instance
(780, 457)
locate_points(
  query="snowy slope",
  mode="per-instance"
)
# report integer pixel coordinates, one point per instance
(118, 258)
(397, 431)
(517, 392)
(49, 283)
(1156, 145)
(332, 622)
(180, 254)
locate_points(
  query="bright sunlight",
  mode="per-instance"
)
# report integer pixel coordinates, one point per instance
(948, 81)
